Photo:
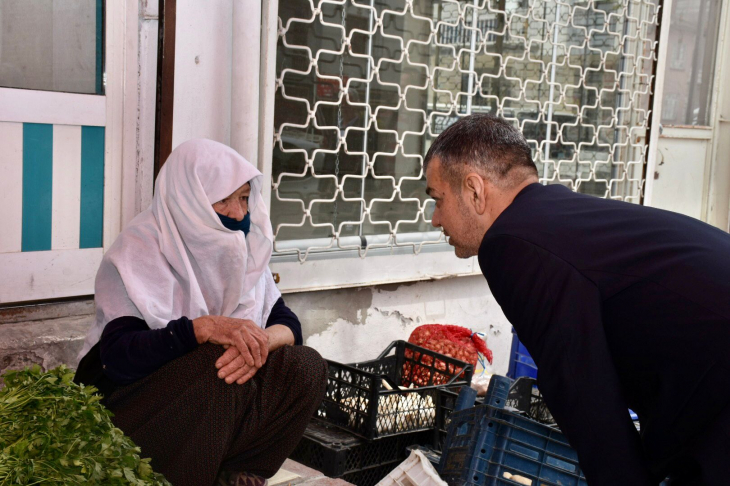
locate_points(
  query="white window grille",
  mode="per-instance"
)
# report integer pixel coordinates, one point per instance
(364, 87)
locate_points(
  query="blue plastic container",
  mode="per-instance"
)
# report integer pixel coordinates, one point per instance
(485, 442)
(497, 391)
(520, 361)
(467, 397)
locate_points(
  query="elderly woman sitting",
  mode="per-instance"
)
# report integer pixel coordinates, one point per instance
(193, 347)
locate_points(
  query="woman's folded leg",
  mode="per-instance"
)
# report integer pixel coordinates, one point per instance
(190, 422)
(289, 388)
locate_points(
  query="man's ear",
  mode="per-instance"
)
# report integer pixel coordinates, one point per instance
(475, 192)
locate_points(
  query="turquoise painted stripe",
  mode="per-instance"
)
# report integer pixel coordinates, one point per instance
(37, 186)
(99, 46)
(92, 187)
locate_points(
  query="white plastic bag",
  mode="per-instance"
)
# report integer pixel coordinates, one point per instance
(480, 383)
(414, 471)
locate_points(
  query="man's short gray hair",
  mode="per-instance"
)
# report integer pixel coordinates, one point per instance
(489, 144)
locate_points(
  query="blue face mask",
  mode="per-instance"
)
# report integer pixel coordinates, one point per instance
(235, 225)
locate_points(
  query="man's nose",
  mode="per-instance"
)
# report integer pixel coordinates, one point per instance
(435, 222)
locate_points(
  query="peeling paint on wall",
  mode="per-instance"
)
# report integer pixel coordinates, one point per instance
(325, 307)
(350, 325)
(405, 321)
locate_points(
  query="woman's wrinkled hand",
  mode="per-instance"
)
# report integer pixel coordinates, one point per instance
(247, 344)
(233, 368)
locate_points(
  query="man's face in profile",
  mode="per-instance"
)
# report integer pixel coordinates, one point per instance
(452, 213)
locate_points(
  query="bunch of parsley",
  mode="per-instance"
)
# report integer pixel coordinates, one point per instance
(53, 431)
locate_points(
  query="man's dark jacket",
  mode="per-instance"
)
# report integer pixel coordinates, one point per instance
(621, 306)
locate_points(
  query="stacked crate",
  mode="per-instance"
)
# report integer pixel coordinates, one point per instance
(488, 445)
(369, 415)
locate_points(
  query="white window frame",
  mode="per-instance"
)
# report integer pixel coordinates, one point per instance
(655, 129)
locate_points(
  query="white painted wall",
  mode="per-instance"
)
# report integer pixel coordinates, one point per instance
(718, 198)
(203, 50)
(140, 93)
(350, 325)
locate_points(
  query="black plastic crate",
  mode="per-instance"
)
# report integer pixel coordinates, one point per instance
(446, 404)
(359, 401)
(340, 454)
(407, 363)
(526, 397)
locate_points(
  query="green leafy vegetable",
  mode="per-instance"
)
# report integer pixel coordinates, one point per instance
(53, 431)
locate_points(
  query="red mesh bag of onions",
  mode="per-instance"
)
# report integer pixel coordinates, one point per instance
(455, 341)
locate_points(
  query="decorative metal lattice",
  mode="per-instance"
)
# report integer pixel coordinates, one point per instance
(364, 87)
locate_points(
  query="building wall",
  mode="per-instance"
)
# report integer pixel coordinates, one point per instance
(203, 50)
(345, 324)
(351, 325)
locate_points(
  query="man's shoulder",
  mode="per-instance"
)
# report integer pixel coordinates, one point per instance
(540, 204)
(597, 235)
(555, 221)
(556, 215)
(538, 215)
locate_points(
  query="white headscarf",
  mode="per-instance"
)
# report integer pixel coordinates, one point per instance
(177, 259)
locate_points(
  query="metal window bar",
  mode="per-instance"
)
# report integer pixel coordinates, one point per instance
(365, 86)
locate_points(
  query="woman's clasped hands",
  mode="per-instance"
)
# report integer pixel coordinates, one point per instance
(246, 344)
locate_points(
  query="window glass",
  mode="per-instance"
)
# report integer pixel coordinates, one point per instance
(693, 35)
(364, 87)
(51, 45)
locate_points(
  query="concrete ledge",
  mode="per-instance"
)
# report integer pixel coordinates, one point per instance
(49, 343)
(46, 310)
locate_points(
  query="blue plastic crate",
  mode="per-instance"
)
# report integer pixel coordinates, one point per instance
(497, 391)
(520, 361)
(485, 442)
